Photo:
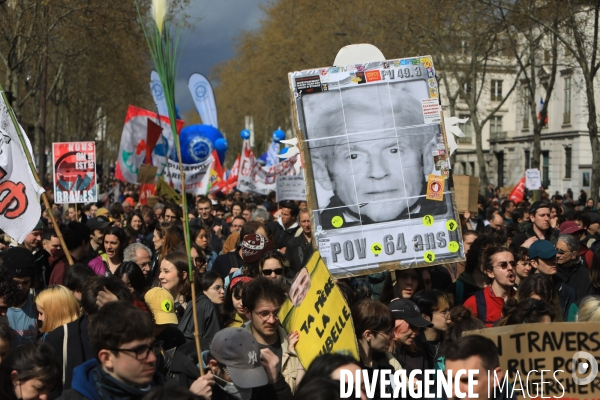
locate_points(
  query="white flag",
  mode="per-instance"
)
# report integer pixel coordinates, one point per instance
(20, 209)
(158, 94)
(204, 98)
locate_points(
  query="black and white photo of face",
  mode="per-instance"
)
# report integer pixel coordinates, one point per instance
(362, 156)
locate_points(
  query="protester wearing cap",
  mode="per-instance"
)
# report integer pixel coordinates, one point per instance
(242, 370)
(577, 231)
(408, 350)
(102, 212)
(97, 226)
(570, 266)
(500, 268)
(161, 305)
(542, 255)
(262, 299)
(539, 215)
(22, 317)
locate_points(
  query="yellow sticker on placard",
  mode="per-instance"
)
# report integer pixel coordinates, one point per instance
(453, 246)
(435, 187)
(428, 220)
(451, 225)
(337, 221)
(376, 248)
(429, 256)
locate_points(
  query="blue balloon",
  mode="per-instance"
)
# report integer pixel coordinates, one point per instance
(278, 135)
(245, 134)
(221, 145)
(198, 142)
(284, 150)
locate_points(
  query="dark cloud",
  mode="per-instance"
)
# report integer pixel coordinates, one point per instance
(210, 41)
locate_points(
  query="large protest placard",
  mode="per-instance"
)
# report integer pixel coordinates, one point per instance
(74, 172)
(376, 156)
(317, 310)
(254, 178)
(291, 188)
(566, 353)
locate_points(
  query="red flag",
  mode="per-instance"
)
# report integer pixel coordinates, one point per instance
(146, 190)
(152, 135)
(518, 192)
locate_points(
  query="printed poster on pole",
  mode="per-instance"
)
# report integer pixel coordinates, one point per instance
(377, 166)
(74, 172)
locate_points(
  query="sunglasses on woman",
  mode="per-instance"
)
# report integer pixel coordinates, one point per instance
(268, 272)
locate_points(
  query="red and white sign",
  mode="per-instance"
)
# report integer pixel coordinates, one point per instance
(74, 172)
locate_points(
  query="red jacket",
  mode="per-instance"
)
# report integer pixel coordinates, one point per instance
(492, 307)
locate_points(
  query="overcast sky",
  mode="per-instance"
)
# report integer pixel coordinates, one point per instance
(210, 41)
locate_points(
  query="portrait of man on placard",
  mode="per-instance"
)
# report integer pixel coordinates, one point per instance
(371, 153)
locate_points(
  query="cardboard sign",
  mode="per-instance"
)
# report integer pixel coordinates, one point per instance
(533, 179)
(466, 191)
(291, 188)
(147, 174)
(370, 138)
(527, 349)
(74, 172)
(317, 310)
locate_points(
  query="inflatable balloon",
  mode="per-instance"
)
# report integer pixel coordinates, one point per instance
(278, 135)
(245, 134)
(221, 145)
(198, 142)
(284, 150)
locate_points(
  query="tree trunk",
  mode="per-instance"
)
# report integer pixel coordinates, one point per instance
(593, 129)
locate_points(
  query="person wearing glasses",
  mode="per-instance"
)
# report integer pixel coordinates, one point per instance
(262, 298)
(435, 307)
(374, 330)
(499, 265)
(273, 265)
(125, 355)
(210, 298)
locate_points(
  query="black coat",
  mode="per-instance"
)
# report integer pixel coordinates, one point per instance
(208, 320)
(298, 252)
(576, 276)
(79, 349)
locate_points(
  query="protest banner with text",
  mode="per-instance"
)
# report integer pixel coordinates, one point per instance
(554, 360)
(74, 172)
(317, 310)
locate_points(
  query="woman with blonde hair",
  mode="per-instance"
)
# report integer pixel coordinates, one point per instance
(589, 309)
(56, 306)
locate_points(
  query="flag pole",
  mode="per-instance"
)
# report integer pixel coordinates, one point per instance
(35, 175)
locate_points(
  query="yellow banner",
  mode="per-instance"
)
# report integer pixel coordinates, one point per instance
(317, 310)
(163, 189)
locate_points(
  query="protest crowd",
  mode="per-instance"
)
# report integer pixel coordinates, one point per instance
(117, 324)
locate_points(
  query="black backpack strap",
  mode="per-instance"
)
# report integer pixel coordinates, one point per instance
(481, 307)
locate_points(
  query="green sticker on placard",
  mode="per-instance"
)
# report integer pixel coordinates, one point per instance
(429, 256)
(451, 225)
(376, 248)
(453, 246)
(337, 221)
(428, 220)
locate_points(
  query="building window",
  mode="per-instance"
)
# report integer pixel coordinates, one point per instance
(496, 90)
(495, 126)
(527, 159)
(500, 159)
(472, 172)
(567, 99)
(526, 112)
(467, 129)
(567, 163)
(546, 169)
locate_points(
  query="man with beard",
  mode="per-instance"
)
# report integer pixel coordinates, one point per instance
(263, 299)
(371, 155)
(22, 317)
(499, 266)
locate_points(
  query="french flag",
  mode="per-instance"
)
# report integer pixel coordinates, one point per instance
(540, 112)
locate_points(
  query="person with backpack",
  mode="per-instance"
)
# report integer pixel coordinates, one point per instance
(486, 304)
